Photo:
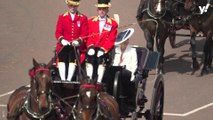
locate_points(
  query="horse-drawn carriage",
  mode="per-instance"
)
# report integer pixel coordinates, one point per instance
(115, 80)
(48, 97)
(161, 19)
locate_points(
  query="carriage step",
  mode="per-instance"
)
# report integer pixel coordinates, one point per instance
(122, 97)
(66, 82)
(145, 114)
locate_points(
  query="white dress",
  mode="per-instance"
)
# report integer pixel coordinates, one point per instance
(128, 59)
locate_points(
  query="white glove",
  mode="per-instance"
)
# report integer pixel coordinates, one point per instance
(100, 53)
(65, 42)
(75, 43)
(91, 52)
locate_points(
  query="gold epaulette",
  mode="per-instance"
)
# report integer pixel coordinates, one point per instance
(94, 18)
(80, 14)
(109, 20)
(65, 14)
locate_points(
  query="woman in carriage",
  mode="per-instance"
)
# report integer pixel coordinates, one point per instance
(126, 56)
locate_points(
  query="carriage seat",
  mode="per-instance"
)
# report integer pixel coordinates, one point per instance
(142, 56)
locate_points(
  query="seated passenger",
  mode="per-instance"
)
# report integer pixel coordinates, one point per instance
(125, 55)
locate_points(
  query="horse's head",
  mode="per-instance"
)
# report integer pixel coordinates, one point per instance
(41, 84)
(87, 102)
(157, 7)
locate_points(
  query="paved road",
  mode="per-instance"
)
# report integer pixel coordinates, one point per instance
(27, 31)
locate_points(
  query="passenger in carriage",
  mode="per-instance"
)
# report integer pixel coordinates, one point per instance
(126, 55)
(102, 34)
(71, 29)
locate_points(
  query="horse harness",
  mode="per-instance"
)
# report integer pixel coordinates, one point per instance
(25, 106)
(96, 107)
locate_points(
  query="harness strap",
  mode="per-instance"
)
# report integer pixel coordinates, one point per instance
(34, 115)
(88, 86)
(33, 71)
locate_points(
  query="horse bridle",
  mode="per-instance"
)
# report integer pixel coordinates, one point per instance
(26, 105)
(37, 71)
(83, 107)
(153, 15)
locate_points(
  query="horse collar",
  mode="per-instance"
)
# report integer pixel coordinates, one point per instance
(34, 115)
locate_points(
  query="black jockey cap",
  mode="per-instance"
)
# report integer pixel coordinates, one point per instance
(103, 3)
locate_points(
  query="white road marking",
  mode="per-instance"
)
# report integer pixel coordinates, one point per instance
(10, 92)
(190, 112)
(166, 114)
(3, 105)
(5, 94)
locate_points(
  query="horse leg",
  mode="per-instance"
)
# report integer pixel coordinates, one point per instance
(207, 55)
(161, 49)
(149, 40)
(195, 64)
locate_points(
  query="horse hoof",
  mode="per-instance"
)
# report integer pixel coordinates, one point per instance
(195, 66)
(204, 72)
(209, 66)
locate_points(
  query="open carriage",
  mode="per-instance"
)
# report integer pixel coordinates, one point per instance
(114, 81)
(57, 100)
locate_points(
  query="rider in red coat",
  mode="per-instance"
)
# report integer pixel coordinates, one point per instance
(104, 39)
(71, 30)
(102, 34)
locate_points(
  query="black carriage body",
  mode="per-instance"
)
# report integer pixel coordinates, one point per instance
(128, 93)
(117, 83)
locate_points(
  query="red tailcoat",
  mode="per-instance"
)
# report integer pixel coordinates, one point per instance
(71, 29)
(104, 40)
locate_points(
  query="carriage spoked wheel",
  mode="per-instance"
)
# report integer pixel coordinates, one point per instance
(157, 102)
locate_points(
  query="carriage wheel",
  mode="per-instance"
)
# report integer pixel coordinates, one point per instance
(157, 102)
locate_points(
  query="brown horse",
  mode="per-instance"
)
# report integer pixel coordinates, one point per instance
(154, 20)
(201, 21)
(92, 104)
(33, 102)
